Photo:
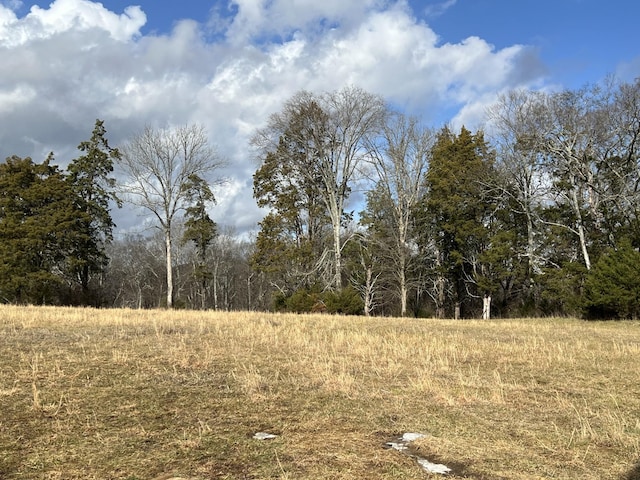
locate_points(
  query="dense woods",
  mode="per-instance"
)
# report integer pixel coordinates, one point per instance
(367, 211)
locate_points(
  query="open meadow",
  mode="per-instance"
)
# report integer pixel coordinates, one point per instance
(142, 395)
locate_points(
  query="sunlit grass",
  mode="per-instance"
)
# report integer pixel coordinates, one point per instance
(127, 394)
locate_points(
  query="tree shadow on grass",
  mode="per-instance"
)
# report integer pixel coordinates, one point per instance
(634, 473)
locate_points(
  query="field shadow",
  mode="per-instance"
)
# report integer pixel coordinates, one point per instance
(634, 473)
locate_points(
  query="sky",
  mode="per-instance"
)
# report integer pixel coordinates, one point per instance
(228, 64)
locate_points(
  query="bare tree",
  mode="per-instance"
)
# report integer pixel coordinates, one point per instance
(624, 174)
(354, 114)
(577, 150)
(567, 135)
(571, 134)
(400, 159)
(522, 180)
(157, 165)
(327, 135)
(134, 272)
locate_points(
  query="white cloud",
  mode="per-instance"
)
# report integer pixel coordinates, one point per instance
(11, 4)
(76, 61)
(66, 15)
(437, 9)
(264, 18)
(7, 18)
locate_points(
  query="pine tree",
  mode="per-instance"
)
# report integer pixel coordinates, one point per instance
(38, 231)
(612, 286)
(455, 214)
(94, 190)
(199, 228)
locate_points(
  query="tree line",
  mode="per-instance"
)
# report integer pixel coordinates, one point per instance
(369, 211)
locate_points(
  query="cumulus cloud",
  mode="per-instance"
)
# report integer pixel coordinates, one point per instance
(65, 15)
(258, 19)
(66, 65)
(12, 4)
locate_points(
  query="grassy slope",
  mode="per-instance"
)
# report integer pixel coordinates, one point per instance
(87, 394)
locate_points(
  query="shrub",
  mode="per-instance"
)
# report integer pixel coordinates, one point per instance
(561, 290)
(612, 287)
(346, 301)
(306, 300)
(303, 300)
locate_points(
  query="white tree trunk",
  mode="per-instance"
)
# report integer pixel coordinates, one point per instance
(440, 296)
(403, 288)
(368, 293)
(168, 246)
(337, 256)
(215, 285)
(580, 228)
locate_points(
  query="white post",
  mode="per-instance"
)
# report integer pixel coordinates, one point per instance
(486, 307)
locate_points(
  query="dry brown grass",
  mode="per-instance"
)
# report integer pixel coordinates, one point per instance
(137, 395)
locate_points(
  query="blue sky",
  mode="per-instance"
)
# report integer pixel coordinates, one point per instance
(578, 40)
(229, 64)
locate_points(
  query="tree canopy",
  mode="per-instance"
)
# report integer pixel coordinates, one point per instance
(366, 210)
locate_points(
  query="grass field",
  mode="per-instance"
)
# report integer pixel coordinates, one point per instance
(141, 395)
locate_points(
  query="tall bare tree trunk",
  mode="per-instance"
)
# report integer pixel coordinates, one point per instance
(368, 300)
(169, 258)
(440, 296)
(158, 166)
(215, 285)
(403, 287)
(337, 257)
(580, 228)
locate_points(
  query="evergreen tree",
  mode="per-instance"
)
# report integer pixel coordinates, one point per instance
(455, 214)
(94, 189)
(612, 286)
(39, 222)
(199, 228)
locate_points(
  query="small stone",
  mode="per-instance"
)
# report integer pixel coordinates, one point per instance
(264, 436)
